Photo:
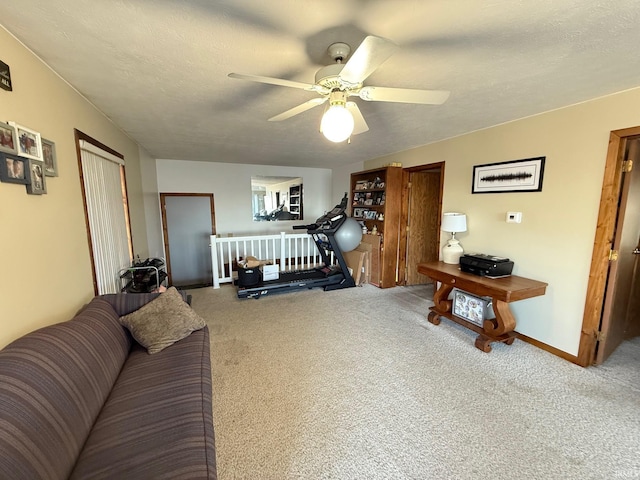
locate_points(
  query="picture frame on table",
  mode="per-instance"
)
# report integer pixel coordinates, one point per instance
(470, 307)
(513, 176)
(36, 183)
(49, 158)
(8, 139)
(29, 142)
(13, 169)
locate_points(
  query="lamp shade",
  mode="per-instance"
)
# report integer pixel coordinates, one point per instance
(454, 222)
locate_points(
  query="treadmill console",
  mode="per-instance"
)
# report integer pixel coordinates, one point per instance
(330, 221)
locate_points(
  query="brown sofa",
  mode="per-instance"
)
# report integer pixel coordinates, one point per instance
(82, 400)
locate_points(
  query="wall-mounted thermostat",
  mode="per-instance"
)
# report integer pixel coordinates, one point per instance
(514, 217)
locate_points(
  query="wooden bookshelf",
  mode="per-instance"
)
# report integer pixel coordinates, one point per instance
(376, 197)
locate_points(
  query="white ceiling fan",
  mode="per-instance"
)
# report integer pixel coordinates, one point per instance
(335, 83)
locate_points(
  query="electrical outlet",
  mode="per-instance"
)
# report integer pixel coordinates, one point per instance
(514, 217)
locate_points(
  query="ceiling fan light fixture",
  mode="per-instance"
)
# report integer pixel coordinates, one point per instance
(337, 122)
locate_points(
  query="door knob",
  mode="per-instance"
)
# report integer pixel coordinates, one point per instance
(636, 251)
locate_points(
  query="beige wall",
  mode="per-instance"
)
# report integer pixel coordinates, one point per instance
(46, 273)
(555, 239)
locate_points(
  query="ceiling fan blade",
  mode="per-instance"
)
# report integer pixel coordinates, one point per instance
(277, 81)
(371, 53)
(403, 95)
(359, 124)
(314, 102)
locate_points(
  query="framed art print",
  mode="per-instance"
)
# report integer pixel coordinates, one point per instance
(49, 158)
(35, 176)
(8, 139)
(471, 308)
(29, 143)
(13, 169)
(515, 176)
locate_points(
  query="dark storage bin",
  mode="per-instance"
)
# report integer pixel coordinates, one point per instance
(248, 277)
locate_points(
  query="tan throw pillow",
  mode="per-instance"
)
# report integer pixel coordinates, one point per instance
(163, 321)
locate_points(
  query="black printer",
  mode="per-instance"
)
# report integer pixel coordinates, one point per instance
(485, 265)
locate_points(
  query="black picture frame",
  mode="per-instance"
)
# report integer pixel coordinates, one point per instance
(9, 172)
(506, 177)
(36, 178)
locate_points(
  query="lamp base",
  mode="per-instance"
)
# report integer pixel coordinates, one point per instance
(452, 252)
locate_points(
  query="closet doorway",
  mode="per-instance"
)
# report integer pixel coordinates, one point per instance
(420, 221)
(188, 221)
(611, 309)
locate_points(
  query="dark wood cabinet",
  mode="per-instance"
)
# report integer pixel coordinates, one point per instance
(376, 198)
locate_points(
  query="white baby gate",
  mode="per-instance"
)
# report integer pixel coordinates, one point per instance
(291, 251)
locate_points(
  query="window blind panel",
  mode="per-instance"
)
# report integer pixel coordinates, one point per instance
(107, 221)
(90, 147)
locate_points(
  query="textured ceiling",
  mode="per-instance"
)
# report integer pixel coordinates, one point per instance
(158, 68)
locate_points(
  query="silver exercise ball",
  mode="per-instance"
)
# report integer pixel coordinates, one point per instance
(349, 235)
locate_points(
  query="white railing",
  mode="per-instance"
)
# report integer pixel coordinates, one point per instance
(291, 251)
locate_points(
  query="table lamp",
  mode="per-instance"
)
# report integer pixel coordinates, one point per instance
(454, 223)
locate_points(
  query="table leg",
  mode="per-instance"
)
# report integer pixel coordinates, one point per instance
(442, 304)
(483, 343)
(441, 298)
(499, 329)
(504, 321)
(503, 326)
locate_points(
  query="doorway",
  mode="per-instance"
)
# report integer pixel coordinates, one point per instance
(188, 221)
(611, 309)
(106, 210)
(420, 221)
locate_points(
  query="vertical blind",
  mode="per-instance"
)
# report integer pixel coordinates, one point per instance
(106, 211)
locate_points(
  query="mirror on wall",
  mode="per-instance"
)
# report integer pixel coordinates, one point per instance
(276, 199)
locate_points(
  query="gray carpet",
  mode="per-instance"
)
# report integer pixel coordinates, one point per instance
(356, 384)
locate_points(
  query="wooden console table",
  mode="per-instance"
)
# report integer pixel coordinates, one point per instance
(501, 290)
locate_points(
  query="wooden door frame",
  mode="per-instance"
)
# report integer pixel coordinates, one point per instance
(404, 213)
(165, 228)
(604, 238)
(78, 136)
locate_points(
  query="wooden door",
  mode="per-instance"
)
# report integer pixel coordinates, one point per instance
(422, 219)
(633, 310)
(620, 319)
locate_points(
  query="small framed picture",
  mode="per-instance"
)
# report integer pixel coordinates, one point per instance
(13, 169)
(357, 212)
(29, 142)
(35, 177)
(8, 140)
(471, 308)
(49, 158)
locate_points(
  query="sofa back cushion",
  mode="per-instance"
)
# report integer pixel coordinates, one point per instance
(126, 303)
(53, 384)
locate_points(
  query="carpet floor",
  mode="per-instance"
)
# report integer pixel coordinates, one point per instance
(356, 384)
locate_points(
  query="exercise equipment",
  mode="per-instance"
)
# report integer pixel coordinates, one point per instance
(325, 232)
(349, 235)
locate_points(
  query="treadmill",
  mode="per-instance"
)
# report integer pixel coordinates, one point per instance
(327, 276)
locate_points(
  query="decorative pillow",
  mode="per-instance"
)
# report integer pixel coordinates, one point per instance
(163, 321)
